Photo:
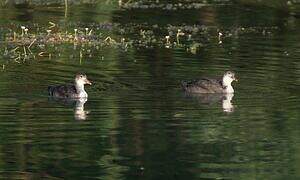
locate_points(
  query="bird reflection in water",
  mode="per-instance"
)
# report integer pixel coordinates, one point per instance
(213, 99)
(226, 103)
(79, 112)
(78, 103)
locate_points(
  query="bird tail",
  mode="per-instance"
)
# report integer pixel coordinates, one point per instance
(183, 85)
(50, 90)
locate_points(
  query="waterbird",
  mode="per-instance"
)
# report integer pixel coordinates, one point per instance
(211, 85)
(75, 90)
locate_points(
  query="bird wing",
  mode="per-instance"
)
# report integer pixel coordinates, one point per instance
(203, 85)
(64, 91)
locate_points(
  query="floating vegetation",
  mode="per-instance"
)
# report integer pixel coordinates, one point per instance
(45, 3)
(194, 48)
(24, 44)
(192, 4)
(32, 41)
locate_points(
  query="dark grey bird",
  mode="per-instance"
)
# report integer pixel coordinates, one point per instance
(210, 85)
(75, 90)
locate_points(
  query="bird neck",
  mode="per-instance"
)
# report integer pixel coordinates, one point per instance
(80, 90)
(227, 85)
(228, 89)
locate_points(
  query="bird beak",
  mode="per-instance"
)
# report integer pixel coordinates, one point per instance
(88, 82)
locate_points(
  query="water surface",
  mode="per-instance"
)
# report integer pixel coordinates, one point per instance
(137, 123)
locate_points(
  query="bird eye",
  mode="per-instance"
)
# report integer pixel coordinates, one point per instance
(81, 76)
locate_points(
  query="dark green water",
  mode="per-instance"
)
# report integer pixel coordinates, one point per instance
(137, 123)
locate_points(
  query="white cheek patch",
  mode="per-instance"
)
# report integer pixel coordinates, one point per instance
(81, 81)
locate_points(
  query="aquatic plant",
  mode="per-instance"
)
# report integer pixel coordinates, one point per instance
(23, 28)
(45, 41)
(168, 5)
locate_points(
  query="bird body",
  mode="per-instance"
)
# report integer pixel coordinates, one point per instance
(75, 90)
(210, 85)
(204, 85)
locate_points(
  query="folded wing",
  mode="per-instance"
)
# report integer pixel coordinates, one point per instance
(62, 91)
(204, 85)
